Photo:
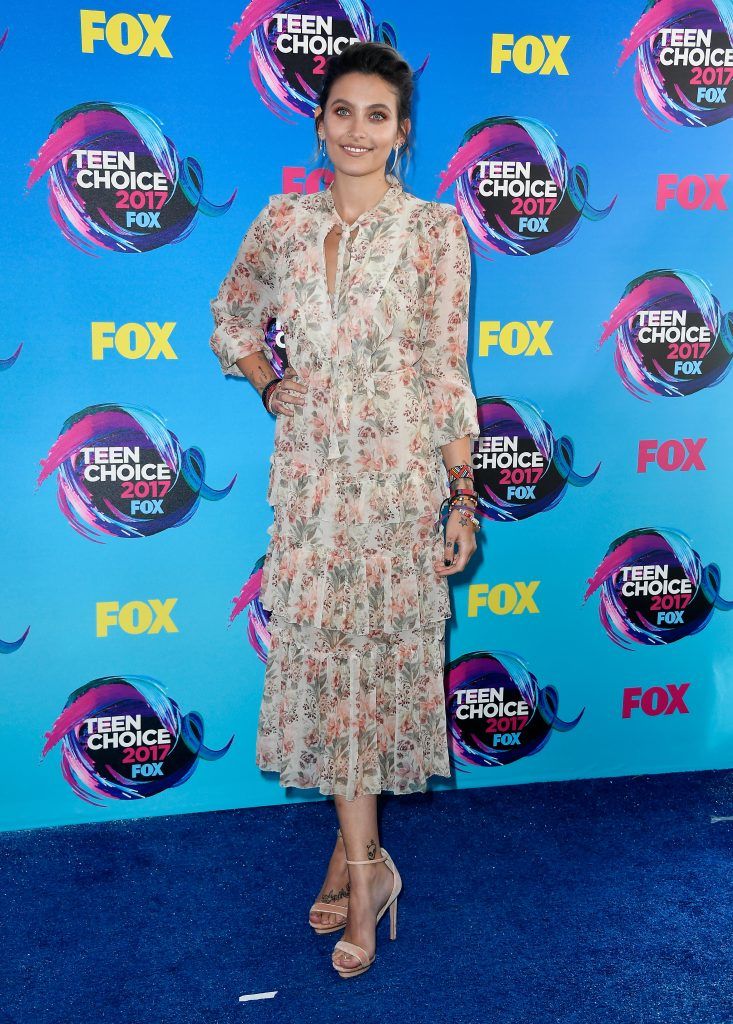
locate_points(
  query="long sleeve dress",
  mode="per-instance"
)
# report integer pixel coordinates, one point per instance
(353, 699)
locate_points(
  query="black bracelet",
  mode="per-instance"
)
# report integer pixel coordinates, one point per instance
(265, 393)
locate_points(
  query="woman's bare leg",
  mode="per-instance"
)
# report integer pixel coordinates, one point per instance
(370, 884)
(335, 887)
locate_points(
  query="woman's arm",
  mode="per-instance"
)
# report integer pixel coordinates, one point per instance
(444, 336)
(257, 369)
(245, 303)
(454, 409)
(247, 299)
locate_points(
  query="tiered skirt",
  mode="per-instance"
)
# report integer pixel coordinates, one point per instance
(353, 701)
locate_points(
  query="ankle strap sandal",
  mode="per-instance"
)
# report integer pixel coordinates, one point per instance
(356, 951)
(329, 908)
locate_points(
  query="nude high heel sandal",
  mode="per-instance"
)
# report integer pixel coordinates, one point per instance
(329, 908)
(358, 951)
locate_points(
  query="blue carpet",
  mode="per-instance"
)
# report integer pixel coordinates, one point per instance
(591, 902)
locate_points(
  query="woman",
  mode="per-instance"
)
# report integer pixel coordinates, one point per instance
(371, 287)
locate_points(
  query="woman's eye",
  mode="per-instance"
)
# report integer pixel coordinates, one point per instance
(376, 113)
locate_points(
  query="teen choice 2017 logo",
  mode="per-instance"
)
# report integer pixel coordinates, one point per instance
(516, 189)
(123, 738)
(672, 337)
(520, 467)
(497, 712)
(654, 589)
(116, 181)
(684, 61)
(122, 473)
(291, 40)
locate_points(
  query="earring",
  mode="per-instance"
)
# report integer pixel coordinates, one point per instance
(322, 147)
(394, 161)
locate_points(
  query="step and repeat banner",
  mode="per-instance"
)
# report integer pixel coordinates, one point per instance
(588, 150)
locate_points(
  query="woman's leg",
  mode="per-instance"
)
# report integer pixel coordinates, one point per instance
(370, 884)
(335, 887)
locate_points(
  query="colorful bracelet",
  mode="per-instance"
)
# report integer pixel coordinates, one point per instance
(267, 389)
(468, 517)
(464, 496)
(461, 471)
(456, 500)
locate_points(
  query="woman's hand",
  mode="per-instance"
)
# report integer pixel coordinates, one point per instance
(288, 393)
(465, 539)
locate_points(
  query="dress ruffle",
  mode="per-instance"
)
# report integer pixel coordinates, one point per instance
(362, 594)
(354, 553)
(353, 716)
(309, 491)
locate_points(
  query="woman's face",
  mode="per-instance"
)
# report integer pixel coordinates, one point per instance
(360, 123)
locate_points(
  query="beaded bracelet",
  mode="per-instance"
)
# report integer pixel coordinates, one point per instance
(466, 520)
(454, 508)
(456, 500)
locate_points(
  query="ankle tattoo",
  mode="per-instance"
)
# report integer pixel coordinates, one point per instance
(333, 897)
(371, 849)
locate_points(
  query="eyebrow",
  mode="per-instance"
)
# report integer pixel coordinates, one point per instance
(370, 107)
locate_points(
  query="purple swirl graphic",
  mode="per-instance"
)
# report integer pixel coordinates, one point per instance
(520, 468)
(123, 738)
(515, 188)
(248, 599)
(679, 45)
(291, 41)
(497, 713)
(116, 181)
(672, 338)
(654, 589)
(5, 364)
(122, 473)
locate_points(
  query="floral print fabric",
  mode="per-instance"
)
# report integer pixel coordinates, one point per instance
(353, 698)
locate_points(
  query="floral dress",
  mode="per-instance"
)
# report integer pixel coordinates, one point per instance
(353, 699)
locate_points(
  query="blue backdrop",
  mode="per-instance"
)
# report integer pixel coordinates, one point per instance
(207, 104)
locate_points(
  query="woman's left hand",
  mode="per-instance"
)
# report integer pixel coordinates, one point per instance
(464, 537)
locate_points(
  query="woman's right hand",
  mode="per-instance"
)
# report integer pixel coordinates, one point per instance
(288, 393)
